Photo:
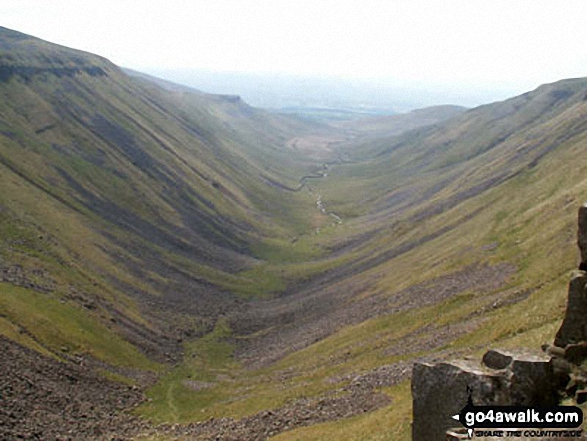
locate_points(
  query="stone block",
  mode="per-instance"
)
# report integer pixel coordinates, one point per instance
(495, 359)
(576, 353)
(531, 381)
(581, 396)
(439, 391)
(574, 327)
(582, 234)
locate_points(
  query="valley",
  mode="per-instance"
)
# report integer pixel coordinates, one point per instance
(226, 272)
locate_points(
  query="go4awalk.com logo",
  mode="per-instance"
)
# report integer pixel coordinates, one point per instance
(521, 421)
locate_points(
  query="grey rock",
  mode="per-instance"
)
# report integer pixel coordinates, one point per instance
(561, 370)
(440, 391)
(456, 434)
(582, 234)
(574, 327)
(576, 353)
(553, 351)
(495, 359)
(531, 381)
(581, 396)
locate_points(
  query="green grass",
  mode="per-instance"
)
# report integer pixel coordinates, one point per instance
(18, 334)
(258, 282)
(205, 360)
(60, 326)
(290, 250)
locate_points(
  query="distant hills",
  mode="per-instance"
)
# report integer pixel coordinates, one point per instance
(370, 96)
(385, 126)
(197, 259)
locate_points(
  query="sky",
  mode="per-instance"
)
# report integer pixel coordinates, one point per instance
(501, 44)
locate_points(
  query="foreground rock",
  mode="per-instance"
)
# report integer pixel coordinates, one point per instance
(574, 327)
(503, 378)
(582, 236)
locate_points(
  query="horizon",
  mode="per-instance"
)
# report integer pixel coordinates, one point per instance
(475, 52)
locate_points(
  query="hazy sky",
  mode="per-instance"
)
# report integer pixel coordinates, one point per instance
(500, 43)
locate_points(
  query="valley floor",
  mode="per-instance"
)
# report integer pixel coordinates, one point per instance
(329, 357)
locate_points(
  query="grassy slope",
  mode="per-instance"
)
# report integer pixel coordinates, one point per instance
(114, 191)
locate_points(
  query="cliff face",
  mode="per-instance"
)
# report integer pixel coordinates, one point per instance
(541, 377)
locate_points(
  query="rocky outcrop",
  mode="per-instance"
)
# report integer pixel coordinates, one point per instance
(432, 384)
(574, 327)
(582, 236)
(521, 377)
(441, 390)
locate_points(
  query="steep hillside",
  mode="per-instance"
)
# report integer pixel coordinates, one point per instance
(134, 213)
(258, 276)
